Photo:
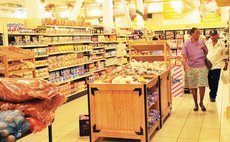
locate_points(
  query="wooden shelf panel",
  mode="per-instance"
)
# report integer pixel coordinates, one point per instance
(148, 58)
(20, 71)
(148, 47)
(153, 129)
(31, 45)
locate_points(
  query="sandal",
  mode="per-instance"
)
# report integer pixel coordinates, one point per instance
(195, 108)
(202, 107)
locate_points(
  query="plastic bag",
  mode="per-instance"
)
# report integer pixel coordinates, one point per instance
(225, 76)
(12, 124)
(21, 90)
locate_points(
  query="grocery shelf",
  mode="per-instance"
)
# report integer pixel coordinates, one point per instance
(21, 71)
(61, 34)
(44, 65)
(57, 53)
(98, 47)
(110, 48)
(60, 68)
(82, 51)
(40, 56)
(31, 45)
(29, 34)
(66, 43)
(52, 26)
(72, 79)
(97, 53)
(98, 70)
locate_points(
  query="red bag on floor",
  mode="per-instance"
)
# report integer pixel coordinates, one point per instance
(21, 90)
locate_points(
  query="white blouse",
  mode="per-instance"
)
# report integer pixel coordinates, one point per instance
(216, 54)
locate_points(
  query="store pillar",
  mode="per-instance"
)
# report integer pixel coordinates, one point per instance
(35, 9)
(107, 12)
(140, 13)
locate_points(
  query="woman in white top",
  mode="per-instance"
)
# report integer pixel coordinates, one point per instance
(217, 57)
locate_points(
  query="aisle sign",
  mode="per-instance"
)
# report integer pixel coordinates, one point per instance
(170, 10)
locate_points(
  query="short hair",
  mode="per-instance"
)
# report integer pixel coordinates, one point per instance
(193, 30)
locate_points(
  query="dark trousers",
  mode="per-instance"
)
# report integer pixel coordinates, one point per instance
(213, 82)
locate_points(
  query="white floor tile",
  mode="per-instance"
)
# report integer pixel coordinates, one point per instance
(184, 125)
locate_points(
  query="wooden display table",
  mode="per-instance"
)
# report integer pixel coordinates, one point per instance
(122, 110)
(165, 95)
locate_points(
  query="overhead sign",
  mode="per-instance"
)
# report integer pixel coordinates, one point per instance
(172, 9)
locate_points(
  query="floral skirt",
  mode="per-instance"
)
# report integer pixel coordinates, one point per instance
(196, 77)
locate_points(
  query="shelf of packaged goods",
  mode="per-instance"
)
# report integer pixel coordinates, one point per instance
(72, 79)
(70, 34)
(98, 47)
(25, 34)
(43, 77)
(21, 71)
(60, 68)
(82, 51)
(151, 105)
(122, 41)
(44, 65)
(148, 58)
(110, 56)
(41, 56)
(122, 35)
(57, 53)
(104, 34)
(97, 53)
(97, 60)
(51, 70)
(56, 26)
(98, 70)
(66, 43)
(111, 41)
(153, 129)
(111, 65)
(105, 42)
(31, 45)
(113, 48)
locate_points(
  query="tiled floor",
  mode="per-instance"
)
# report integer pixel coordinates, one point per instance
(184, 125)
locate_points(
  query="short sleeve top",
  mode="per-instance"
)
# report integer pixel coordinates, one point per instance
(194, 53)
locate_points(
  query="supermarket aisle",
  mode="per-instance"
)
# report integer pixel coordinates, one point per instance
(184, 125)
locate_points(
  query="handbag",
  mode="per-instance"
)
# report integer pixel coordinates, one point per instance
(208, 63)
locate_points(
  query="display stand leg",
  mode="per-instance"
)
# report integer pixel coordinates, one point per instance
(50, 133)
